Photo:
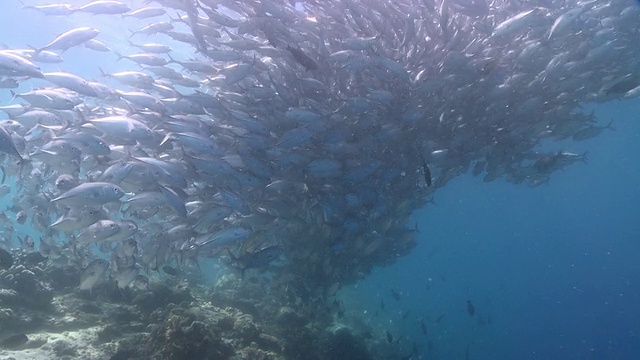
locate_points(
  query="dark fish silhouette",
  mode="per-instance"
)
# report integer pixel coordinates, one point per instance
(6, 259)
(427, 172)
(302, 58)
(14, 341)
(470, 308)
(256, 259)
(423, 327)
(389, 337)
(170, 270)
(396, 295)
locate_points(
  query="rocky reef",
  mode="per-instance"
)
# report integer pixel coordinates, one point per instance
(173, 318)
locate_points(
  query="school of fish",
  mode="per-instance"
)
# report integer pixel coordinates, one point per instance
(303, 133)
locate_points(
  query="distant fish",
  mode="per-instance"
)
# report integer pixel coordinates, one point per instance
(16, 65)
(591, 131)
(51, 9)
(423, 327)
(170, 270)
(427, 172)
(257, 259)
(6, 259)
(140, 282)
(103, 7)
(91, 193)
(396, 295)
(302, 58)
(389, 337)
(7, 145)
(14, 341)
(470, 308)
(92, 273)
(71, 38)
(146, 12)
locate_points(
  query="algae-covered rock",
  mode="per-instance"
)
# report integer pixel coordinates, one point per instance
(182, 339)
(161, 295)
(246, 329)
(288, 317)
(26, 282)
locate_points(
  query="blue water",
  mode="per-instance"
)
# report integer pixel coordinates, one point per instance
(554, 267)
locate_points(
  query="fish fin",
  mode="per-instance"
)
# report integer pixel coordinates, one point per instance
(609, 126)
(103, 73)
(583, 157)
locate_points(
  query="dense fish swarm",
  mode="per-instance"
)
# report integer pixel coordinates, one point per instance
(293, 137)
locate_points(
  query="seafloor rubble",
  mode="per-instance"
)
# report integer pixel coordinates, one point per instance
(174, 318)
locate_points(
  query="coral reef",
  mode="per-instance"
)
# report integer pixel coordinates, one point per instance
(29, 288)
(235, 319)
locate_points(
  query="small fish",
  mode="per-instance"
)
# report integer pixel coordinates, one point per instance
(15, 341)
(104, 7)
(381, 304)
(427, 172)
(71, 38)
(140, 282)
(302, 58)
(470, 308)
(389, 337)
(21, 217)
(125, 277)
(93, 272)
(170, 270)
(91, 193)
(6, 259)
(423, 327)
(34, 258)
(225, 237)
(591, 131)
(257, 259)
(396, 295)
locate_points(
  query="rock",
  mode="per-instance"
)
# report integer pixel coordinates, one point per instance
(288, 317)
(246, 329)
(63, 348)
(32, 292)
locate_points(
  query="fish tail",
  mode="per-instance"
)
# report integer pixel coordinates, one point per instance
(583, 157)
(610, 126)
(103, 73)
